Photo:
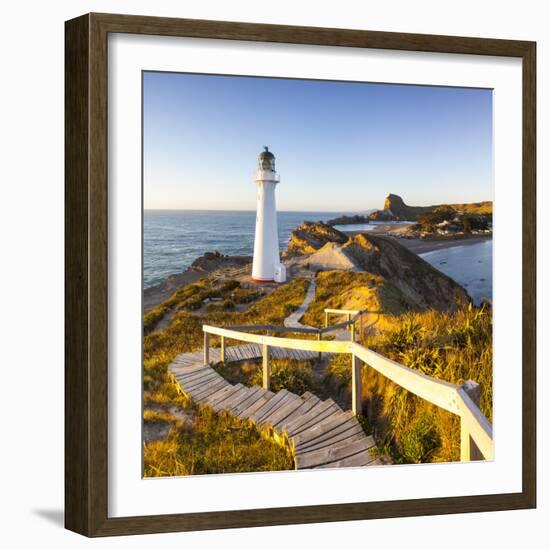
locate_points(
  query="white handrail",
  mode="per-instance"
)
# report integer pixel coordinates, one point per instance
(438, 392)
(450, 397)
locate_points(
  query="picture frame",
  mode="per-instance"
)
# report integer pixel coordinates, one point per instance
(86, 279)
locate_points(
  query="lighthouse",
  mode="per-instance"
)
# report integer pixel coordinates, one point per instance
(267, 266)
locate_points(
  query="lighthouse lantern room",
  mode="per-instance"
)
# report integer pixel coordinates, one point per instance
(267, 266)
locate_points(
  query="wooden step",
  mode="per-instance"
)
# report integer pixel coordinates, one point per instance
(277, 398)
(305, 407)
(363, 458)
(323, 436)
(324, 428)
(215, 396)
(286, 407)
(248, 412)
(253, 396)
(199, 397)
(314, 416)
(235, 398)
(331, 438)
(214, 403)
(334, 453)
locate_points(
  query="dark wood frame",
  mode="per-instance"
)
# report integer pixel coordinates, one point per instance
(86, 273)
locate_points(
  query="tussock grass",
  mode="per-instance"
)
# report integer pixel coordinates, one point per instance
(352, 290)
(214, 444)
(294, 375)
(450, 346)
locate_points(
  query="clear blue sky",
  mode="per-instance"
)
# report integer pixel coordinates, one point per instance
(339, 146)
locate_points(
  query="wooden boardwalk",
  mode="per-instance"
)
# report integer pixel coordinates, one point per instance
(321, 433)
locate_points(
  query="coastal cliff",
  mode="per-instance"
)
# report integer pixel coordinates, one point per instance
(399, 279)
(310, 236)
(396, 209)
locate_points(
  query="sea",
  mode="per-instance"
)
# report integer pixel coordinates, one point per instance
(173, 239)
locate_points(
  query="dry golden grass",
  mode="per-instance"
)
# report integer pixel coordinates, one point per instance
(450, 346)
(214, 443)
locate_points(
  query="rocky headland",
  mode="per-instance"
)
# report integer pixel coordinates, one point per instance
(395, 209)
(206, 264)
(400, 278)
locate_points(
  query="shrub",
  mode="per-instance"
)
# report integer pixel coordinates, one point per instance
(450, 346)
(290, 374)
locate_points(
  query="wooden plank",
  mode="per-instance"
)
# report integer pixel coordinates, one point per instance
(473, 420)
(333, 346)
(193, 367)
(215, 355)
(248, 412)
(230, 402)
(210, 399)
(213, 388)
(268, 405)
(332, 409)
(331, 454)
(336, 436)
(199, 394)
(361, 459)
(197, 375)
(195, 386)
(194, 381)
(283, 411)
(214, 403)
(254, 396)
(320, 411)
(339, 420)
(306, 406)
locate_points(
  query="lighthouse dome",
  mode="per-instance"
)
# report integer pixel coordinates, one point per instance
(266, 160)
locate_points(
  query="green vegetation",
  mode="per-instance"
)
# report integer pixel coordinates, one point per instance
(450, 346)
(199, 295)
(291, 374)
(352, 290)
(212, 443)
(465, 222)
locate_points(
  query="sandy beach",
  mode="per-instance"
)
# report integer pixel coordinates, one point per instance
(420, 246)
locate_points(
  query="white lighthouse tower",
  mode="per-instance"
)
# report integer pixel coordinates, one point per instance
(267, 266)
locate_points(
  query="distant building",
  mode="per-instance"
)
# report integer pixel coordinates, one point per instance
(267, 266)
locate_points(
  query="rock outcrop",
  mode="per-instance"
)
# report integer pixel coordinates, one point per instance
(395, 209)
(346, 220)
(210, 261)
(311, 236)
(422, 285)
(415, 283)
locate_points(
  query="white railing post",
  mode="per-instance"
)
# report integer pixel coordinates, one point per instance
(266, 375)
(352, 332)
(356, 389)
(206, 348)
(222, 349)
(468, 449)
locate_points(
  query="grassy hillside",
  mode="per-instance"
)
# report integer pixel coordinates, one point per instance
(485, 207)
(200, 441)
(352, 290)
(450, 346)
